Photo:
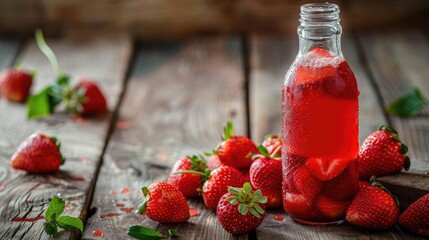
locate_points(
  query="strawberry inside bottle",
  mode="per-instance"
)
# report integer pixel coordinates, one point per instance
(319, 123)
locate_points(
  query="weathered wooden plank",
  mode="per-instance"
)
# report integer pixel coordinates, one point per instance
(177, 100)
(27, 195)
(163, 18)
(270, 59)
(398, 63)
(8, 50)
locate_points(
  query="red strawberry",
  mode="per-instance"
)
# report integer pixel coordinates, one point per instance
(273, 143)
(246, 175)
(213, 162)
(332, 209)
(188, 183)
(326, 169)
(15, 84)
(233, 150)
(38, 154)
(345, 186)
(416, 217)
(266, 174)
(373, 208)
(300, 199)
(164, 203)
(93, 101)
(382, 153)
(241, 210)
(217, 184)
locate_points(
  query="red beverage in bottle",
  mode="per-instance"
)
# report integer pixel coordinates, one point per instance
(320, 126)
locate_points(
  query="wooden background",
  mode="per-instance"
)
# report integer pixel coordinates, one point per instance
(157, 19)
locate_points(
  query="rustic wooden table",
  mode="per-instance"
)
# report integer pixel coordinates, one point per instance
(171, 99)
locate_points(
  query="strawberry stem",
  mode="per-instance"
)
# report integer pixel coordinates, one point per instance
(373, 182)
(228, 131)
(40, 40)
(387, 128)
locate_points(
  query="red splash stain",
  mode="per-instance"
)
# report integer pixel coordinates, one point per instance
(83, 159)
(123, 123)
(113, 192)
(125, 190)
(28, 201)
(279, 217)
(194, 212)
(19, 219)
(97, 233)
(78, 178)
(110, 215)
(67, 207)
(127, 210)
(119, 205)
(162, 156)
(1, 186)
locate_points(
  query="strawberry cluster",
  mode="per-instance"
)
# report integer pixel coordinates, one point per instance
(84, 98)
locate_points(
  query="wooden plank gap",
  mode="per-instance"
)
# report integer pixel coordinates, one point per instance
(246, 52)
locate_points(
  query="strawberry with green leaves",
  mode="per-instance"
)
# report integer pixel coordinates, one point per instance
(382, 153)
(266, 175)
(54, 220)
(84, 99)
(416, 217)
(38, 154)
(233, 149)
(241, 209)
(213, 162)
(164, 203)
(15, 84)
(373, 208)
(188, 184)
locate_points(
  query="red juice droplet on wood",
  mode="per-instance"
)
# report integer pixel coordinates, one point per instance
(194, 212)
(97, 233)
(110, 215)
(127, 210)
(119, 205)
(1, 186)
(125, 190)
(113, 192)
(279, 218)
(19, 219)
(123, 123)
(78, 178)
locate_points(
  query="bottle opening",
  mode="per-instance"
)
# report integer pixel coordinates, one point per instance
(319, 13)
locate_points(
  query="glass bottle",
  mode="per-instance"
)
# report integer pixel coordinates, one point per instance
(319, 123)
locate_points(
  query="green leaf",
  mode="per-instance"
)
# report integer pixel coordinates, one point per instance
(228, 131)
(408, 105)
(51, 228)
(40, 104)
(258, 208)
(254, 212)
(243, 209)
(69, 223)
(263, 150)
(172, 232)
(144, 233)
(55, 208)
(247, 188)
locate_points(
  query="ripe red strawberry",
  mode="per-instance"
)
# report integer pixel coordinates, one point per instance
(15, 84)
(217, 184)
(233, 150)
(345, 186)
(188, 183)
(164, 203)
(304, 188)
(246, 175)
(273, 143)
(416, 217)
(326, 169)
(241, 209)
(373, 208)
(93, 101)
(332, 209)
(213, 162)
(38, 154)
(382, 153)
(266, 174)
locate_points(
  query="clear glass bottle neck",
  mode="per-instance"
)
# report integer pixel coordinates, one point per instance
(320, 27)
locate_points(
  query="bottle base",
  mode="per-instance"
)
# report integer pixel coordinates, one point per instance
(320, 224)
